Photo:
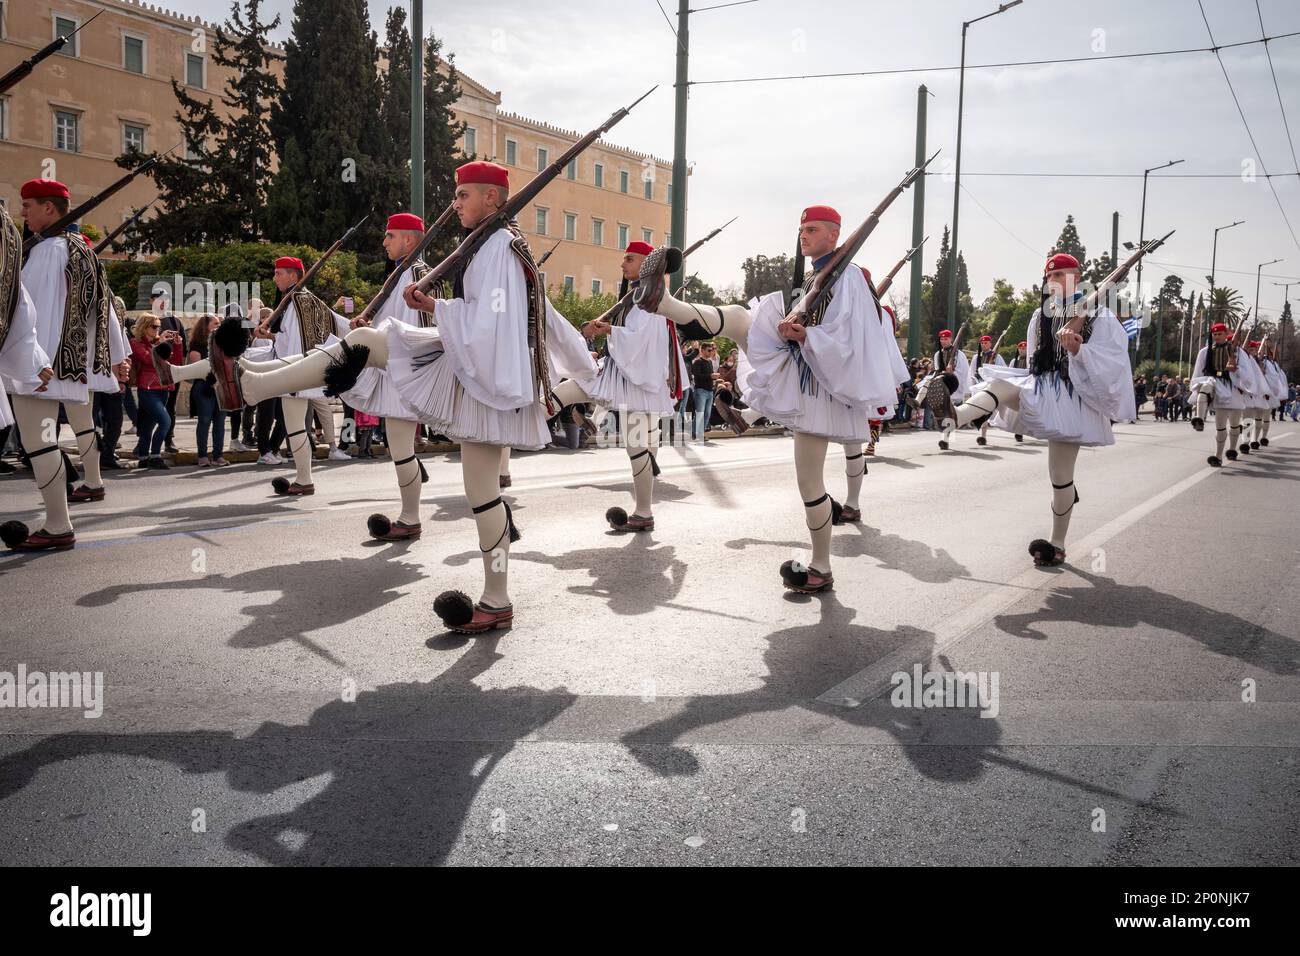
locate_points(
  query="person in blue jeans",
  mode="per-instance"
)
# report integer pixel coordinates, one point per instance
(154, 420)
(704, 375)
(203, 400)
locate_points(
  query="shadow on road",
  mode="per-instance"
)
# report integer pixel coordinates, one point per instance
(403, 763)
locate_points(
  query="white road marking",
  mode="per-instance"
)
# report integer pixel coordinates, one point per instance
(873, 680)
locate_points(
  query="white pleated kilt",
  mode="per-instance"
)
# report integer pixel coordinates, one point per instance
(430, 393)
(1049, 411)
(1227, 397)
(375, 394)
(612, 389)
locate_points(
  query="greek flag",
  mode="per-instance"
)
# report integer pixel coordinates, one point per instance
(1132, 326)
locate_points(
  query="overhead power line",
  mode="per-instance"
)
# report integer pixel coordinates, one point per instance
(991, 66)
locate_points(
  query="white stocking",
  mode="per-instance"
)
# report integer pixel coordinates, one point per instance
(309, 371)
(1202, 407)
(37, 420)
(480, 465)
(300, 443)
(566, 393)
(641, 438)
(401, 445)
(1220, 434)
(505, 461)
(82, 420)
(191, 372)
(855, 466)
(731, 321)
(809, 462)
(1061, 458)
(1234, 428)
(988, 398)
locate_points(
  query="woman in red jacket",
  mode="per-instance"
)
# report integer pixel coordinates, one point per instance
(154, 421)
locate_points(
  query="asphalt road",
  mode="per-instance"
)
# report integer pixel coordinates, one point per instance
(661, 699)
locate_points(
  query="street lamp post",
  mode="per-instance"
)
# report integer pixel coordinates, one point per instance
(1258, 272)
(956, 189)
(1214, 259)
(1142, 227)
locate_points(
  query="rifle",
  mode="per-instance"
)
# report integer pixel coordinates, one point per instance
(126, 224)
(843, 256)
(381, 297)
(956, 345)
(60, 227)
(1115, 278)
(888, 280)
(542, 261)
(609, 313)
(518, 201)
(273, 323)
(796, 279)
(24, 69)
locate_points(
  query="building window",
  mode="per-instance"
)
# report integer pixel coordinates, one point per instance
(623, 180)
(622, 236)
(132, 53)
(571, 170)
(600, 174)
(65, 131)
(64, 26)
(543, 159)
(646, 235)
(669, 198)
(471, 141)
(194, 70)
(649, 189)
(595, 287)
(541, 221)
(4, 117)
(597, 232)
(568, 284)
(2, 20)
(191, 154)
(511, 149)
(570, 226)
(132, 137)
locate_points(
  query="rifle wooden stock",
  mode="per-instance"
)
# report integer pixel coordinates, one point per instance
(1117, 276)
(520, 200)
(888, 280)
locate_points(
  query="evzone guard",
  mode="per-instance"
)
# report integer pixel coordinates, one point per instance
(1220, 376)
(1261, 399)
(1277, 389)
(480, 377)
(82, 344)
(374, 392)
(823, 370)
(1078, 381)
(642, 378)
(987, 355)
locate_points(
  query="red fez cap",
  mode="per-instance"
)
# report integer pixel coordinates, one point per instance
(945, 334)
(1253, 344)
(489, 174)
(1218, 327)
(640, 248)
(1062, 260)
(819, 214)
(44, 189)
(289, 262)
(986, 338)
(405, 222)
(1022, 345)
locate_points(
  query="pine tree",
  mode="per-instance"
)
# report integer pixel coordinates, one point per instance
(221, 195)
(330, 109)
(1069, 242)
(442, 133)
(936, 304)
(396, 108)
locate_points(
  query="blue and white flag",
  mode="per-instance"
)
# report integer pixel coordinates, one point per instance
(1132, 326)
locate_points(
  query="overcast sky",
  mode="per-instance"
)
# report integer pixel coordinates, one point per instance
(763, 151)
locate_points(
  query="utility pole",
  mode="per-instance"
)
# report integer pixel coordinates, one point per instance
(915, 308)
(679, 136)
(417, 108)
